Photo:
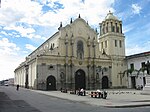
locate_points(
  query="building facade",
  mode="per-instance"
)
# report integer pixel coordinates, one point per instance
(139, 66)
(77, 57)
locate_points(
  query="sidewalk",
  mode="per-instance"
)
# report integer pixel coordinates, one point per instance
(115, 99)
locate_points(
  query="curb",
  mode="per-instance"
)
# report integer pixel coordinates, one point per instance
(127, 106)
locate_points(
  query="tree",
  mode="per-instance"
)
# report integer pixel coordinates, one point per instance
(128, 71)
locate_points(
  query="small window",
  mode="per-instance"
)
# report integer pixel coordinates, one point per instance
(120, 28)
(113, 29)
(50, 67)
(106, 29)
(43, 64)
(115, 43)
(120, 43)
(143, 65)
(117, 30)
(132, 66)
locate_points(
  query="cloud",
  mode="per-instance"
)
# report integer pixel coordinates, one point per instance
(136, 8)
(4, 33)
(14, 13)
(128, 28)
(8, 48)
(31, 12)
(94, 12)
(30, 47)
(145, 29)
(135, 49)
(16, 10)
(22, 31)
(8, 64)
(9, 58)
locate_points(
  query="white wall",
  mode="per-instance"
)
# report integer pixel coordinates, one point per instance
(137, 65)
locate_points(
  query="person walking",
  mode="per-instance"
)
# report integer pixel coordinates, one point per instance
(17, 87)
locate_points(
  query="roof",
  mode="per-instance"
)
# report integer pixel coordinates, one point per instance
(111, 16)
(138, 55)
(44, 43)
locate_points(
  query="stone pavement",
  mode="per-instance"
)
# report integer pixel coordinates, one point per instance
(8, 105)
(116, 98)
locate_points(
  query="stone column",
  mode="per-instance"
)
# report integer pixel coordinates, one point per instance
(71, 77)
(71, 65)
(100, 26)
(88, 68)
(66, 64)
(94, 66)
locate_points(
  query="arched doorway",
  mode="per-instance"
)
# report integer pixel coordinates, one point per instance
(80, 80)
(51, 83)
(105, 82)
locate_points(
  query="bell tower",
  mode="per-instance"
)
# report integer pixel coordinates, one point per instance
(111, 36)
(112, 44)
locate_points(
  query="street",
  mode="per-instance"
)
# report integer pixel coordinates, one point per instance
(25, 100)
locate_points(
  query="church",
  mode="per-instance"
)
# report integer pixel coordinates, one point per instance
(76, 56)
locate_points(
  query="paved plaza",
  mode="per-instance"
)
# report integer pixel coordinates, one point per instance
(117, 98)
(27, 100)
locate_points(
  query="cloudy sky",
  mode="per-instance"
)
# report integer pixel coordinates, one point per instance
(25, 24)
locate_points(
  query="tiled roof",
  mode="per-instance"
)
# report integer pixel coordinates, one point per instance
(138, 55)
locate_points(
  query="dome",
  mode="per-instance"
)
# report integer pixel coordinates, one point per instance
(110, 16)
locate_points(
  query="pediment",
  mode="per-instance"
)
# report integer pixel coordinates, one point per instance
(79, 28)
(82, 25)
(80, 22)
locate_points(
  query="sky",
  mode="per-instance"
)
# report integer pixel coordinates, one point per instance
(26, 24)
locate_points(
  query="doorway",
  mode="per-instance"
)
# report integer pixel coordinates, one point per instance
(105, 82)
(51, 83)
(80, 79)
(133, 83)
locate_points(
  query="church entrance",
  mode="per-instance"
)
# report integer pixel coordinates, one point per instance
(105, 82)
(80, 79)
(51, 83)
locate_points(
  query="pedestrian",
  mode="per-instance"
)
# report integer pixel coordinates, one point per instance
(78, 92)
(61, 89)
(104, 94)
(17, 87)
(81, 92)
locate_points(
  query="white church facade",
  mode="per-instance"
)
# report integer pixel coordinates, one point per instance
(77, 57)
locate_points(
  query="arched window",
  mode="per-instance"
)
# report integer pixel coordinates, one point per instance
(80, 50)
